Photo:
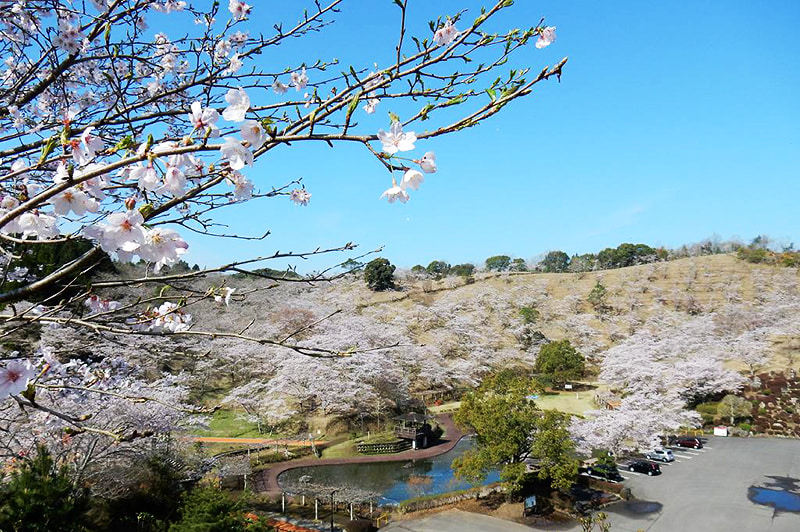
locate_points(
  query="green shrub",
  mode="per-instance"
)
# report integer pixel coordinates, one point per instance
(40, 497)
(745, 427)
(708, 408)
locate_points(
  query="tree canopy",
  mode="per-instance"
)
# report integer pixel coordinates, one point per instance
(498, 263)
(560, 361)
(379, 274)
(509, 428)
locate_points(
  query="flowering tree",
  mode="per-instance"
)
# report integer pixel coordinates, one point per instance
(121, 138)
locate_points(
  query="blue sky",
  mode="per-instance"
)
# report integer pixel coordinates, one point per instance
(673, 121)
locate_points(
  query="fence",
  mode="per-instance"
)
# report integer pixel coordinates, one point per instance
(384, 448)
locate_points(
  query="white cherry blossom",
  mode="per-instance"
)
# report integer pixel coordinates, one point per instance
(395, 140)
(299, 80)
(15, 376)
(300, 196)
(546, 37)
(75, 200)
(122, 232)
(146, 176)
(225, 296)
(242, 187)
(238, 105)
(395, 193)
(97, 304)
(84, 150)
(162, 247)
(279, 88)
(237, 155)
(412, 179)
(428, 163)
(253, 133)
(41, 226)
(168, 6)
(371, 104)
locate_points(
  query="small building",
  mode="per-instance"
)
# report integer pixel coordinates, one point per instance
(414, 427)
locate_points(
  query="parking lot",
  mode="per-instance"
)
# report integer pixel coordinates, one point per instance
(707, 489)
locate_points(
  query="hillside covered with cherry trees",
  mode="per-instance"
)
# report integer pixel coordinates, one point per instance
(664, 336)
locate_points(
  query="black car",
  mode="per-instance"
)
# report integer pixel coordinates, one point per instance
(643, 466)
(605, 471)
(692, 443)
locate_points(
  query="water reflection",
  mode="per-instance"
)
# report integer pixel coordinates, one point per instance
(394, 481)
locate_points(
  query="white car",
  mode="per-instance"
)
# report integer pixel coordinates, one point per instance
(662, 455)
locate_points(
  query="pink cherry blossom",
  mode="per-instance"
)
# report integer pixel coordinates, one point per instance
(395, 140)
(546, 37)
(174, 181)
(15, 376)
(204, 118)
(446, 34)
(239, 9)
(169, 6)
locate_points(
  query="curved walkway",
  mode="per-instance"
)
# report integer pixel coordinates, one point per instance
(268, 480)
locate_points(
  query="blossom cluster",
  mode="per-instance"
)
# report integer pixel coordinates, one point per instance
(396, 140)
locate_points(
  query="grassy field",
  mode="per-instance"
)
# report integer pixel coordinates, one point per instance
(569, 402)
(231, 424)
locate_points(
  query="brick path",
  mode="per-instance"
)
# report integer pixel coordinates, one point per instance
(267, 480)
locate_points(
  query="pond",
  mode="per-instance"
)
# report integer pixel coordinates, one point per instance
(395, 482)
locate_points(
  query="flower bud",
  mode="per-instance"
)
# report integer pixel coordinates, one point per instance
(130, 203)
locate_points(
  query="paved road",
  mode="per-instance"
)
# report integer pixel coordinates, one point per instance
(456, 521)
(707, 489)
(268, 480)
(703, 490)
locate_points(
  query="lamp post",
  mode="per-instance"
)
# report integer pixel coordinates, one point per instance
(332, 508)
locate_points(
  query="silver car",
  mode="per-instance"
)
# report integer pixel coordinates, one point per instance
(662, 455)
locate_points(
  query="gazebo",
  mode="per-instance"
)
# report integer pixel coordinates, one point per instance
(414, 427)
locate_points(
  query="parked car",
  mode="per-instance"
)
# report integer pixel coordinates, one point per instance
(692, 443)
(606, 471)
(643, 466)
(662, 455)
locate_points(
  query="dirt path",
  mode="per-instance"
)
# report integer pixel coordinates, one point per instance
(268, 480)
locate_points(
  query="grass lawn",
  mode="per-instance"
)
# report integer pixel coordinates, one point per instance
(229, 424)
(570, 402)
(345, 449)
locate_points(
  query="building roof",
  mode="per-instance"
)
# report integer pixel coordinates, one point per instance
(412, 417)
